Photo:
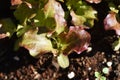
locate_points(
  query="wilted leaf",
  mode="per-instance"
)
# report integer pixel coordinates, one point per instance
(111, 23)
(36, 44)
(94, 1)
(63, 60)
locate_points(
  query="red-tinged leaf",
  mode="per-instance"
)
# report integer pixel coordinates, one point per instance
(60, 23)
(3, 36)
(77, 39)
(53, 7)
(111, 23)
(36, 44)
(16, 2)
(55, 10)
(94, 1)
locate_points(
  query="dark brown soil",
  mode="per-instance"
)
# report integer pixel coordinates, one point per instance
(20, 65)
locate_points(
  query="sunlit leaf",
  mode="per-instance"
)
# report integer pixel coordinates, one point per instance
(81, 13)
(77, 20)
(22, 29)
(111, 23)
(90, 14)
(36, 44)
(52, 8)
(113, 8)
(60, 24)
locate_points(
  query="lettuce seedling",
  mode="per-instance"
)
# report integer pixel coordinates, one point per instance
(111, 23)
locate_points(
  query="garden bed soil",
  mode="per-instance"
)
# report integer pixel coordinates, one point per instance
(19, 65)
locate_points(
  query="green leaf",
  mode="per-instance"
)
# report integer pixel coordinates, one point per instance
(97, 74)
(32, 1)
(81, 13)
(8, 26)
(89, 22)
(22, 29)
(43, 21)
(37, 4)
(116, 45)
(102, 78)
(23, 12)
(63, 60)
(90, 14)
(72, 3)
(77, 20)
(113, 8)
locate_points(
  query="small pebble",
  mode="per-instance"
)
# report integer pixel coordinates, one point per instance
(89, 49)
(87, 79)
(104, 61)
(16, 58)
(71, 75)
(89, 68)
(0, 25)
(109, 64)
(113, 56)
(37, 76)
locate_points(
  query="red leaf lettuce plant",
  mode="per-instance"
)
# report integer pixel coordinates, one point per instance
(45, 26)
(112, 21)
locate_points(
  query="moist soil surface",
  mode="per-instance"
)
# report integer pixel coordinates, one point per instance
(19, 65)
